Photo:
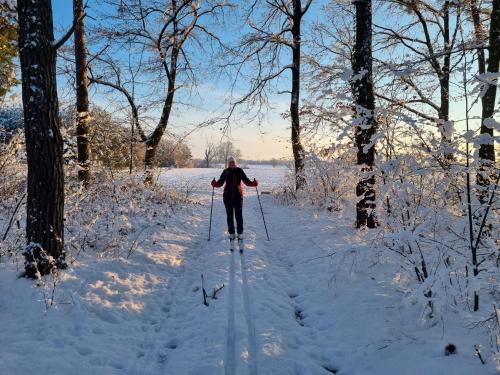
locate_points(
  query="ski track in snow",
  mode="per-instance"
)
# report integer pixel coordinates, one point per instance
(230, 366)
(230, 341)
(252, 341)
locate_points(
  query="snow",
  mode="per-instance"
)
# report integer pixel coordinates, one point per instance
(492, 124)
(319, 298)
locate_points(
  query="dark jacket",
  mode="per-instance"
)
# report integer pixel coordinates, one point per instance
(233, 178)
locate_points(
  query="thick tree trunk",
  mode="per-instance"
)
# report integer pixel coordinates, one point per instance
(44, 144)
(362, 87)
(479, 34)
(487, 151)
(154, 139)
(82, 97)
(298, 149)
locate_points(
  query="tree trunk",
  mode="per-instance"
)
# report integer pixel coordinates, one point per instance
(44, 144)
(442, 71)
(479, 35)
(444, 81)
(298, 149)
(487, 151)
(363, 93)
(154, 139)
(444, 116)
(131, 146)
(82, 96)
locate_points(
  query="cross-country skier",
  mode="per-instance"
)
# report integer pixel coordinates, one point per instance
(233, 195)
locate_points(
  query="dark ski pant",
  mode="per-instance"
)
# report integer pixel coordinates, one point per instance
(234, 207)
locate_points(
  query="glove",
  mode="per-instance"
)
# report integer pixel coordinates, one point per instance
(214, 183)
(255, 182)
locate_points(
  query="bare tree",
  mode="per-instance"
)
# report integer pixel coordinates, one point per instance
(363, 93)
(44, 144)
(276, 33)
(169, 33)
(226, 149)
(126, 86)
(209, 154)
(82, 96)
(430, 39)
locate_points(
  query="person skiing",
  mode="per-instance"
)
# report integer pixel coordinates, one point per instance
(233, 195)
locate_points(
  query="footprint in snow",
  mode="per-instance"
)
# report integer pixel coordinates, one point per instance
(97, 331)
(330, 369)
(82, 350)
(299, 317)
(162, 358)
(172, 344)
(166, 308)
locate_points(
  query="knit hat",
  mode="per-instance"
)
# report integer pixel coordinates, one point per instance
(231, 158)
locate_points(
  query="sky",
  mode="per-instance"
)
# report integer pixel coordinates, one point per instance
(270, 140)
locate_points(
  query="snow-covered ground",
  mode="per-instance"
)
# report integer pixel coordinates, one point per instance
(315, 299)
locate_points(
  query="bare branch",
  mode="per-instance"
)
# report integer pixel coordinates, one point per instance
(68, 34)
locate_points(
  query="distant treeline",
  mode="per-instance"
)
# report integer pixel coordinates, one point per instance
(274, 162)
(245, 163)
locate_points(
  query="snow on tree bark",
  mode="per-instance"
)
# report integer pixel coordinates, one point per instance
(298, 149)
(44, 144)
(82, 96)
(363, 93)
(487, 150)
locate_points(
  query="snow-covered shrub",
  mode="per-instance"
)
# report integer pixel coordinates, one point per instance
(109, 217)
(426, 224)
(12, 170)
(12, 193)
(328, 174)
(12, 156)
(426, 198)
(285, 195)
(414, 219)
(327, 179)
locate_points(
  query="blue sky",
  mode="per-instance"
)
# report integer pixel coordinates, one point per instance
(270, 140)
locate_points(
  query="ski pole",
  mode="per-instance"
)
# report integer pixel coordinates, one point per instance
(262, 212)
(211, 207)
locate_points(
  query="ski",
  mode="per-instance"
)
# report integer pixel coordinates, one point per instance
(231, 244)
(241, 245)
